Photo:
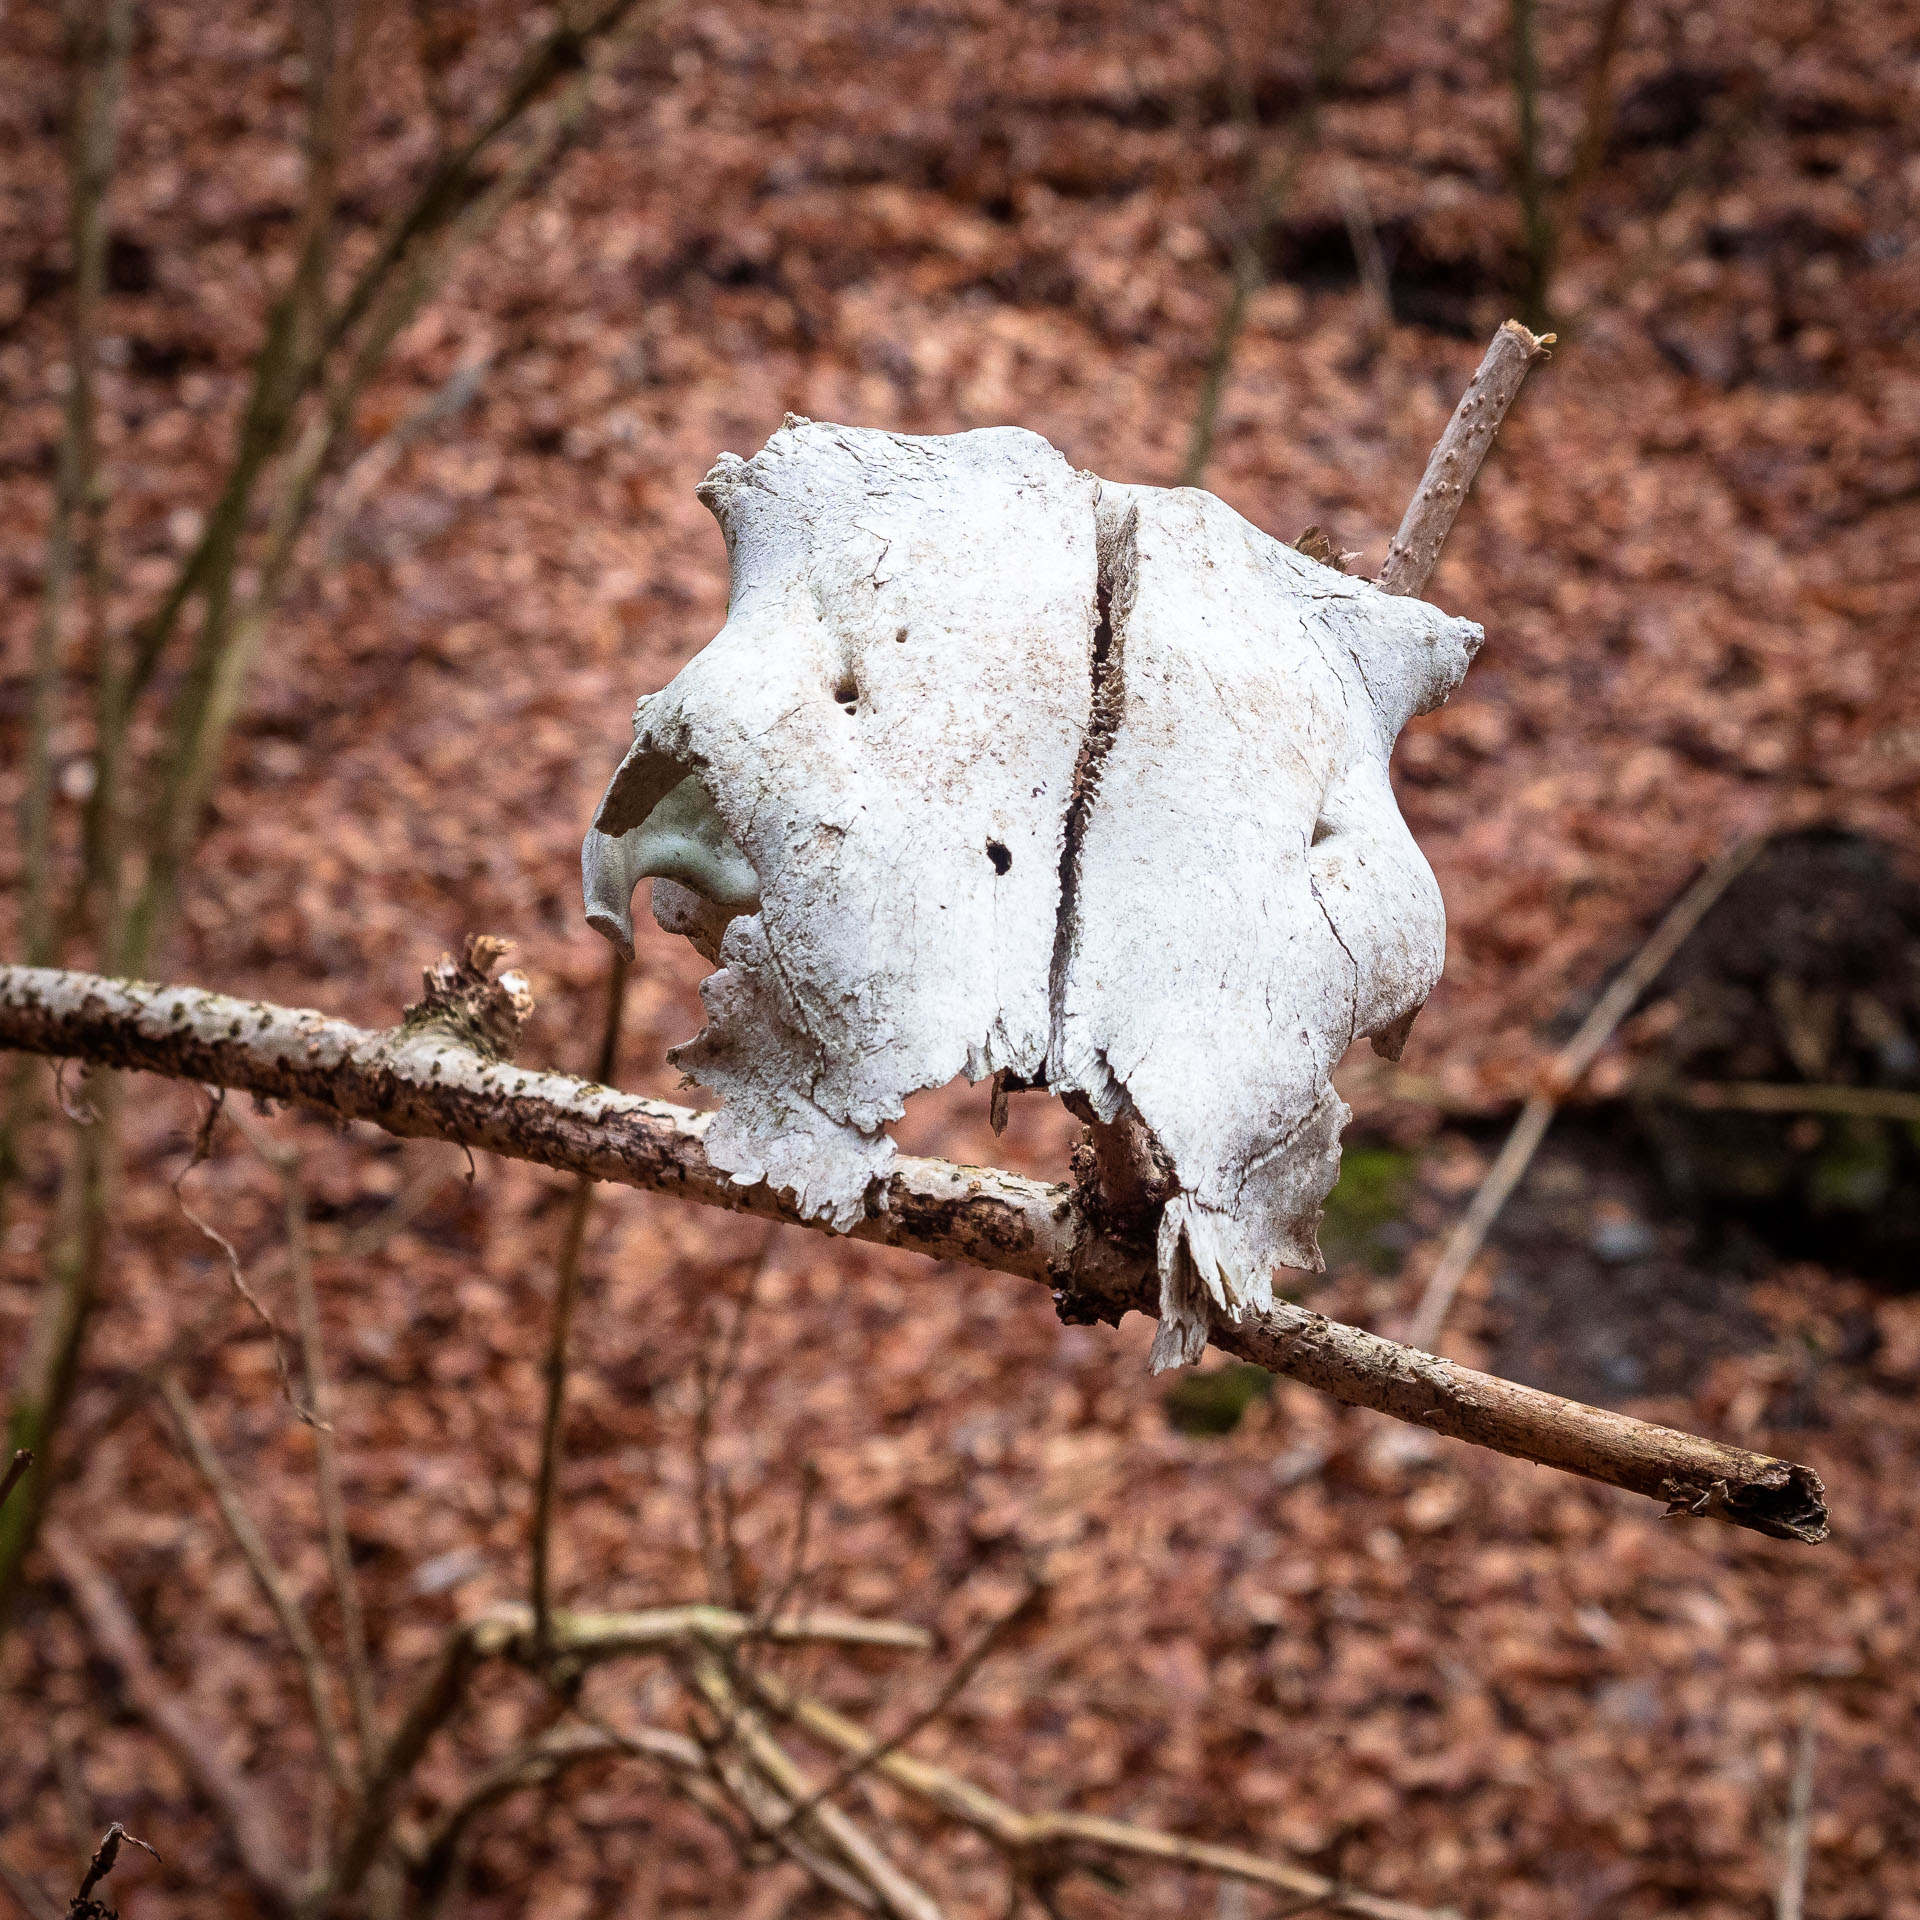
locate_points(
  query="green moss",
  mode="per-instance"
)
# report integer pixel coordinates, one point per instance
(1364, 1209)
(1853, 1169)
(1212, 1400)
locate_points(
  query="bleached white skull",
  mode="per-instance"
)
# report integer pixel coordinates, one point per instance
(995, 767)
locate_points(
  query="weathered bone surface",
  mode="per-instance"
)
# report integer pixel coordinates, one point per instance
(886, 729)
(1245, 900)
(995, 767)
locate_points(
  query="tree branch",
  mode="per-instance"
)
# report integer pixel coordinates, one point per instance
(425, 1079)
(720, 1787)
(508, 1633)
(1456, 458)
(899, 1896)
(16, 1472)
(1024, 1836)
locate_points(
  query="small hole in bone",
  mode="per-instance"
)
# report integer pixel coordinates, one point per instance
(847, 691)
(1320, 831)
(901, 635)
(1000, 857)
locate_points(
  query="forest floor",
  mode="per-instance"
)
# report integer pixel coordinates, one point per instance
(1696, 551)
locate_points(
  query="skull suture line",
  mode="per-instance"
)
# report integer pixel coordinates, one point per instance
(995, 766)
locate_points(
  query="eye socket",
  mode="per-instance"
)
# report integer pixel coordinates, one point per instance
(1001, 858)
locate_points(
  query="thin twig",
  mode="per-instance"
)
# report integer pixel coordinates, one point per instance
(267, 1574)
(75, 1268)
(371, 465)
(26, 1894)
(1272, 188)
(406, 1207)
(1364, 237)
(560, 1325)
(236, 1274)
(98, 36)
(713, 1504)
(1753, 1096)
(538, 1764)
(781, 1598)
(406, 268)
(956, 1682)
(722, 1786)
(333, 1509)
(1456, 458)
(16, 1472)
(84, 1906)
(1790, 1901)
(75, 1802)
(1027, 1837)
(899, 1896)
(1564, 1073)
(1537, 238)
(507, 1633)
(1596, 120)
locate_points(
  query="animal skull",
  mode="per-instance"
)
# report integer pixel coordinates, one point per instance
(998, 767)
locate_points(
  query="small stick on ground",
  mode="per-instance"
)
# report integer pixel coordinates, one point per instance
(1456, 458)
(1791, 1900)
(1564, 1073)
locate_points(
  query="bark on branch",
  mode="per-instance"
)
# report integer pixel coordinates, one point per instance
(1456, 458)
(438, 1076)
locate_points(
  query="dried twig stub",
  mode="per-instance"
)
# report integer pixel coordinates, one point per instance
(84, 1906)
(1456, 458)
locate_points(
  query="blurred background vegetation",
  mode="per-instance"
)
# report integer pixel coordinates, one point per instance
(358, 365)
